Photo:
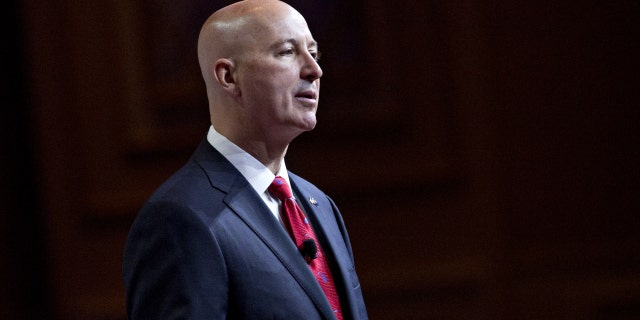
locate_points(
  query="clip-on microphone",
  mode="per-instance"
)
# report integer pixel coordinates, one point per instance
(309, 250)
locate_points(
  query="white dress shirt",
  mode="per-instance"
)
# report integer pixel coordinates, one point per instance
(259, 176)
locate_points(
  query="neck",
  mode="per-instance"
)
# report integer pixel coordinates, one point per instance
(270, 156)
(268, 150)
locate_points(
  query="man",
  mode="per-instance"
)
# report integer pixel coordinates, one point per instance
(220, 239)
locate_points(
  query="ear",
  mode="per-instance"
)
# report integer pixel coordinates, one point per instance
(224, 74)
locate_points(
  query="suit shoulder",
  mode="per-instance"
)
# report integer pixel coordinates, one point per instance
(188, 188)
(184, 183)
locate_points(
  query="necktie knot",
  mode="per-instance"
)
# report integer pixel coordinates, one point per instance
(280, 189)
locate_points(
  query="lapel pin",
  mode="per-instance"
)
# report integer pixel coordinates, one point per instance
(313, 201)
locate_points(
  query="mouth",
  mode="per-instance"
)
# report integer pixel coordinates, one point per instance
(307, 95)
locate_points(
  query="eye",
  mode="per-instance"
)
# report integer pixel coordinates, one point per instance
(316, 55)
(287, 52)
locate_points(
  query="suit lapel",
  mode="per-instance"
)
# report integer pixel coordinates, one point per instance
(320, 212)
(243, 200)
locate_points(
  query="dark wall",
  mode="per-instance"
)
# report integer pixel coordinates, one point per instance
(23, 278)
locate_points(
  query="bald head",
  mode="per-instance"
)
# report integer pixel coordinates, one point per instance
(229, 31)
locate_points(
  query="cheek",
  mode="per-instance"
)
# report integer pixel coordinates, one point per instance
(273, 83)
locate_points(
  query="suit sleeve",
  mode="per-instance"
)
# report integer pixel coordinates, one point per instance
(173, 267)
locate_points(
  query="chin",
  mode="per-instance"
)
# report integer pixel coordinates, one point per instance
(310, 123)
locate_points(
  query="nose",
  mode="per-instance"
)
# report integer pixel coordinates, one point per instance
(311, 70)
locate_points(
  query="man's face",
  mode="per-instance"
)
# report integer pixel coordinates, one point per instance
(279, 77)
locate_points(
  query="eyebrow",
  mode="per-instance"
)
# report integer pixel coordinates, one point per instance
(293, 41)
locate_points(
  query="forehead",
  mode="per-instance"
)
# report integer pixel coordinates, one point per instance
(272, 28)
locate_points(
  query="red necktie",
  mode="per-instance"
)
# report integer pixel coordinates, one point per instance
(300, 230)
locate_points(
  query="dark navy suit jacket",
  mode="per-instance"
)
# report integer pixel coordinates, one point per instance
(205, 246)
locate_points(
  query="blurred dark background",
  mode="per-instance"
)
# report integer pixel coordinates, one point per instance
(484, 153)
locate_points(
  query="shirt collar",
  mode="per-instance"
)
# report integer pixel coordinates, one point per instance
(259, 176)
